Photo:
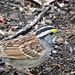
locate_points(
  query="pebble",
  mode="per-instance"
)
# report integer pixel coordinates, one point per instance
(55, 7)
(13, 15)
(54, 51)
(2, 25)
(21, 23)
(48, 21)
(48, 68)
(66, 42)
(62, 27)
(36, 26)
(42, 22)
(56, 46)
(71, 13)
(22, 4)
(63, 12)
(15, 27)
(21, 8)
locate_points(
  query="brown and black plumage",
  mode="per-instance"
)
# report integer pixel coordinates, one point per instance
(28, 51)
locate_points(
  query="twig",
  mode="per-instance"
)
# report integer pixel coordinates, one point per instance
(47, 72)
(2, 32)
(73, 72)
(15, 5)
(28, 73)
(28, 26)
(2, 2)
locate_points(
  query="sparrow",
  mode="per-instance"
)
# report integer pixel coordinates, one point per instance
(30, 50)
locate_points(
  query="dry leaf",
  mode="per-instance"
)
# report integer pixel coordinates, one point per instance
(38, 1)
(44, 2)
(47, 2)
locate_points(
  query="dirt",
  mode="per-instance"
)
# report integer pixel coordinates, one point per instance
(61, 60)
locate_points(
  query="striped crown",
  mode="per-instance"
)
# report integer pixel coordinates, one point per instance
(44, 31)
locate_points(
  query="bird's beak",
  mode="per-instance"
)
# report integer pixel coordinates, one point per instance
(54, 30)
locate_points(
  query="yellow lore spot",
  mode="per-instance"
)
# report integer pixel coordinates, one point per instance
(53, 30)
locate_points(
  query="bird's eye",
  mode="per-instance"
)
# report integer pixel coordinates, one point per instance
(51, 33)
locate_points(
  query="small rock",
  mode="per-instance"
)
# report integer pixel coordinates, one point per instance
(56, 46)
(13, 15)
(54, 51)
(36, 26)
(15, 27)
(2, 25)
(66, 42)
(21, 9)
(48, 21)
(55, 7)
(71, 13)
(48, 68)
(22, 4)
(71, 50)
(21, 23)
(63, 12)
(42, 22)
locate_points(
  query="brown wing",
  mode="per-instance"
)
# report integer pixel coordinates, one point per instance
(26, 47)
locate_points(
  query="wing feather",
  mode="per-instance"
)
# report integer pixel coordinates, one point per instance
(27, 46)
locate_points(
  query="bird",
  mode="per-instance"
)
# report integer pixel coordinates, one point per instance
(30, 50)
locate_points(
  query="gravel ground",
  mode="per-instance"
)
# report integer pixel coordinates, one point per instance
(62, 58)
